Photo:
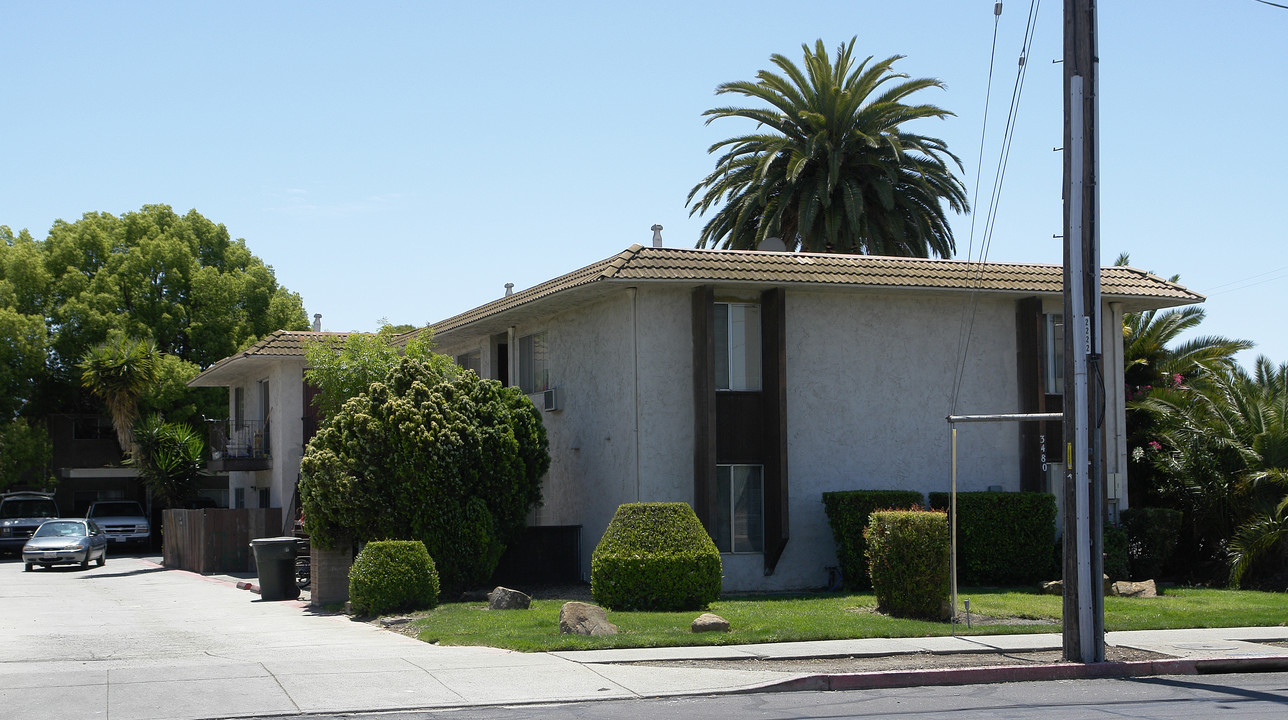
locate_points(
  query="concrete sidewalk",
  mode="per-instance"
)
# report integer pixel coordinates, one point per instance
(134, 641)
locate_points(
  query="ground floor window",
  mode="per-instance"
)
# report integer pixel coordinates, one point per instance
(740, 508)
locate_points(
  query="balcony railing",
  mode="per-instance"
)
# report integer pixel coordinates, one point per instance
(239, 446)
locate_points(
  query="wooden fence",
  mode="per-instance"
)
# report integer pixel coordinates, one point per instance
(212, 540)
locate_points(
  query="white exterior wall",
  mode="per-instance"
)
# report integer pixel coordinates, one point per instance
(869, 384)
(286, 433)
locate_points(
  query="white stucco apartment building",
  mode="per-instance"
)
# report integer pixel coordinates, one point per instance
(749, 383)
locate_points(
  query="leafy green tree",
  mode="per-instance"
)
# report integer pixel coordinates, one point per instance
(169, 459)
(180, 281)
(829, 168)
(431, 455)
(119, 371)
(342, 367)
(24, 454)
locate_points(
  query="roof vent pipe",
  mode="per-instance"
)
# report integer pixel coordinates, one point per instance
(317, 322)
(657, 235)
(509, 289)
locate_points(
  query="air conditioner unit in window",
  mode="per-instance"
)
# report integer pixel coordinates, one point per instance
(549, 400)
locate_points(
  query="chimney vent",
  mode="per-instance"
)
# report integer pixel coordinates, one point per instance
(317, 322)
(509, 289)
(657, 235)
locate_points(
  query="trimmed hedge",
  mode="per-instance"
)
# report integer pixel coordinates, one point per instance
(1115, 547)
(655, 556)
(392, 576)
(908, 562)
(1152, 535)
(1003, 538)
(847, 513)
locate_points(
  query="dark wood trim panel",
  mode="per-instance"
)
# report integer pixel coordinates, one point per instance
(773, 313)
(1028, 350)
(704, 405)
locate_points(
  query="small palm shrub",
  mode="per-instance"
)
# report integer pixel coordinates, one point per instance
(392, 576)
(655, 556)
(847, 513)
(908, 562)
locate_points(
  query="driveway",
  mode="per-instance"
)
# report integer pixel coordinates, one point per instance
(132, 640)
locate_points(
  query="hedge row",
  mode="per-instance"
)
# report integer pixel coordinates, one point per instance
(1003, 538)
(847, 513)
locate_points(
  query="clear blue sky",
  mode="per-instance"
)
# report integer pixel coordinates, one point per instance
(405, 160)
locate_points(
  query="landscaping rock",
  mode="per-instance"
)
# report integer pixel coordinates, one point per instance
(578, 618)
(1144, 589)
(391, 621)
(1056, 587)
(503, 598)
(709, 622)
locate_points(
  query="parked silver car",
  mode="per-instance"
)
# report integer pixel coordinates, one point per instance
(58, 542)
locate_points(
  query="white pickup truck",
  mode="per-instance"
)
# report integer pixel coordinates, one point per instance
(122, 520)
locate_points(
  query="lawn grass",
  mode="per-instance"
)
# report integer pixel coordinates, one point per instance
(757, 619)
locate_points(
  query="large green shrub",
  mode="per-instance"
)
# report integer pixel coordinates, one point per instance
(1117, 566)
(445, 458)
(392, 576)
(655, 556)
(1002, 538)
(1152, 535)
(847, 513)
(908, 562)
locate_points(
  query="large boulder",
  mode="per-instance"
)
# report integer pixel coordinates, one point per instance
(578, 618)
(709, 622)
(502, 598)
(1143, 589)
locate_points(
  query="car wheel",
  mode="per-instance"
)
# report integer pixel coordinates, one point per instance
(27, 567)
(85, 562)
(102, 559)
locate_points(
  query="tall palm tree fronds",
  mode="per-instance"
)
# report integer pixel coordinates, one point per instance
(118, 371)
(169, 458)
(830, 169)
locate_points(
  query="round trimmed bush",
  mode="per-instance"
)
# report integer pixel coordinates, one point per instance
(655, 556)
(393, 576)
(908, 561)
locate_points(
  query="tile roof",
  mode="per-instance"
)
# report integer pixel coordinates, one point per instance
(653, 264)
(282, 343)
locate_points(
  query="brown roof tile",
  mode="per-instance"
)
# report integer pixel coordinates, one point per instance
(652, 264)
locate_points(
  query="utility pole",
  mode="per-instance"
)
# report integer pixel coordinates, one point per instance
(1084, 469)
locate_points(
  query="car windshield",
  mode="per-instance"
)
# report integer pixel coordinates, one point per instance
(35, 507)
(115, 509)
(62, 528)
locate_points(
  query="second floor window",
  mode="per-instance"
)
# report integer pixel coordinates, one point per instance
(534, 369)
(1053, 355)
(737, 340)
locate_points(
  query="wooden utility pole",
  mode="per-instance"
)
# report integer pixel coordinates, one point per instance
(1084, 470)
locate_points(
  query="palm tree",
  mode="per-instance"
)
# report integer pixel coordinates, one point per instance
(168, 458)
(118, 371)
(831, 171)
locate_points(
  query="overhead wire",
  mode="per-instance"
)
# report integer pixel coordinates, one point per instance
(969, 311)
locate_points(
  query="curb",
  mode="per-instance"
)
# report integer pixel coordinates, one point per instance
(1022, 673)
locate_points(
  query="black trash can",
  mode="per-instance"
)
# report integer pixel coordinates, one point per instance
(275, 562)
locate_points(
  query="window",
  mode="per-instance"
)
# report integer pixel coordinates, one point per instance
(739, 512)
(239, 498)
(471, 361)
(534, 372)
(737, 340)
(1053, 358)
(263, 497)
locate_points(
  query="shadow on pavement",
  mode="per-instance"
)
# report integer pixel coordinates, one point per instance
(127, 573)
